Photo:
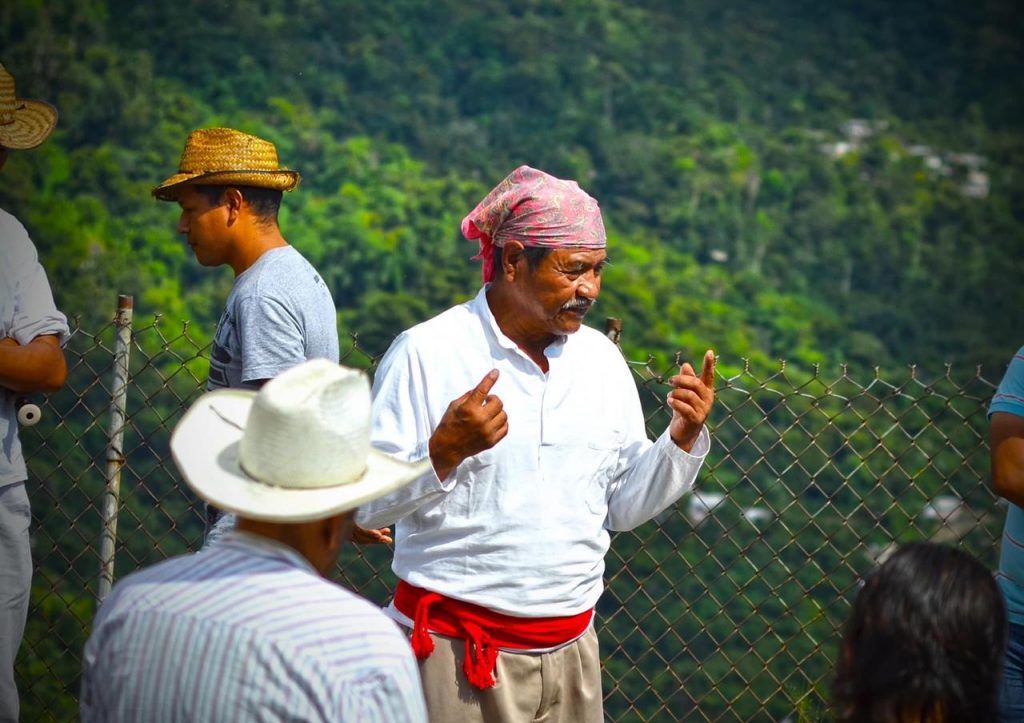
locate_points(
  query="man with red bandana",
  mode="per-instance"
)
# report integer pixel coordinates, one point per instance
(536, 436)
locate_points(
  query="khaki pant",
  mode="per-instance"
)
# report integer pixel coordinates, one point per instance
(563, 686)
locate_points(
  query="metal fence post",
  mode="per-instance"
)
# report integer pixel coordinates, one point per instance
(115, 449)
(613, 329)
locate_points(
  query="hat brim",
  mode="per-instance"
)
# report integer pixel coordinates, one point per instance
(205, 447)
(32, 123)
(274, 180)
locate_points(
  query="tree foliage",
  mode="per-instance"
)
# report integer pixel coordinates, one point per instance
(822, 183)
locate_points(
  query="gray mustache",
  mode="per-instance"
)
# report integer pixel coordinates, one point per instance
(577, 304)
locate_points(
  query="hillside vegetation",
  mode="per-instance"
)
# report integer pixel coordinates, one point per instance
(781, 179)
(825, 183)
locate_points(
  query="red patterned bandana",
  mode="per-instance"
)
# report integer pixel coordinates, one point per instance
(535, 209)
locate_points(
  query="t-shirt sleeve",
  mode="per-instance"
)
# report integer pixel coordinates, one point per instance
(1009, 397)
(33, 312)
(271, 338)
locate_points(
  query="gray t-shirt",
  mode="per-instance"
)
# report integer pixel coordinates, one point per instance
(26, 311)
(279, 313)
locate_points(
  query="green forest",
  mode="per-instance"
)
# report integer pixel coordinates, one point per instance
(827, 184)
(708, 132)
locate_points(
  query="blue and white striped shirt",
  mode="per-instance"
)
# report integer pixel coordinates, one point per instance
(245, 631)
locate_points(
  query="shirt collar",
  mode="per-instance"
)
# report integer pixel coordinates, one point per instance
(482, 309)
(264, 547)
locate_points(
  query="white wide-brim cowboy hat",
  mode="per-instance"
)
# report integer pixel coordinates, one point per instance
(226, 157)
(23, 123)
(297, 450)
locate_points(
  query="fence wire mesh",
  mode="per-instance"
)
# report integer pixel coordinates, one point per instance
(727, 607)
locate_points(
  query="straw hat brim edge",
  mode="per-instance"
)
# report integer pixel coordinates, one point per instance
(205, 448)
(22, 134)
(282, 180)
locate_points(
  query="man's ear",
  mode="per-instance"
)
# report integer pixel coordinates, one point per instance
(330, 534)
(339, 527)
(513, 260)
(233, 201)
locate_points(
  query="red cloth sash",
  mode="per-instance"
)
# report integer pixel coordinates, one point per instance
(483, 630)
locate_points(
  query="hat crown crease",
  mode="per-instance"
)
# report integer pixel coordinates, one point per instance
(332, 422)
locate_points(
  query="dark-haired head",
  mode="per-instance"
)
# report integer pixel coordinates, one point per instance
(263, 202)
(924, 641)
(534, 256)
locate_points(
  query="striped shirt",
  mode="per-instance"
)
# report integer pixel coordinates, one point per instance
(1009, 398)
(245, 630)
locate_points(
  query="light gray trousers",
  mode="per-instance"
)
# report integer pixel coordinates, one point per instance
(15, 584)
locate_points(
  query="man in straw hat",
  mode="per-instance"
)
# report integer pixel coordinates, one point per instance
(32, 331)
(535, 434)
(249, 629)
(280, 312)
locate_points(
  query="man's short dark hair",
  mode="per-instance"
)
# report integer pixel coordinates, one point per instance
(264, 202)
(534, 256)
(924, 641)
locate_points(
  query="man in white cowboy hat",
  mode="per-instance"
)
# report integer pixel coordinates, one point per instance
(32, 331)
(280, 312)
(249, 629)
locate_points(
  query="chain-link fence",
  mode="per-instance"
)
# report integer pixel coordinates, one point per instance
(726, 608)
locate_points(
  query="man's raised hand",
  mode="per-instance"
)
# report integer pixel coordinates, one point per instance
(370, 536)
(690, 400)
(472, 423)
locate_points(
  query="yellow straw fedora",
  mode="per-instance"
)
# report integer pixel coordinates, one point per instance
(23, 123)
(224, 156)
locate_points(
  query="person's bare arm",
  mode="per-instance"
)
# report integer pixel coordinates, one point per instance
(34, 367)
(1006, 436)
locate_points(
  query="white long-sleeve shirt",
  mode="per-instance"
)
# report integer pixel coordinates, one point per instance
(521, 528)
